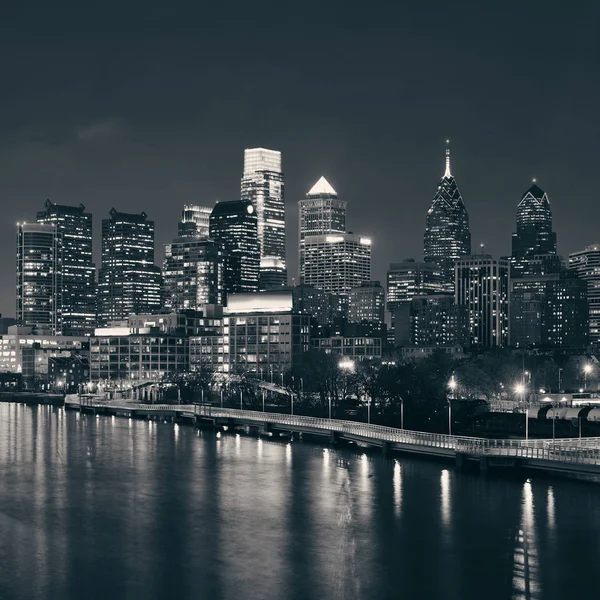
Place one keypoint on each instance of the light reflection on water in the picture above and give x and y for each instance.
(104, 508)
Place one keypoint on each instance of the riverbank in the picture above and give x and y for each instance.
(33, 398)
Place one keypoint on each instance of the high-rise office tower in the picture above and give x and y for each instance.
(39, 276)
(534, 235)
(74, 224)
(447, 235)
(337, 263)
(366, 303)
(565, 312)
(482, 286)
(262, 184)
(234, 227)
(129, 282)
(195, 220)
(192, 273)
(586, 263)
(321, 212)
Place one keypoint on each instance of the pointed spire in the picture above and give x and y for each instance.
(448, 174)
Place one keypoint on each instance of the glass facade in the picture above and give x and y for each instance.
(447, 235)
(262, 185)
(74, 224)
(586, 264)
(234, 227)
(129, 282)
(39, 276)
(366, 303)
(192, 273)
(195, 221)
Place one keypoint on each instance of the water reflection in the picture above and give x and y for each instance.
(445, 496)
(550, 509)
(397, 488)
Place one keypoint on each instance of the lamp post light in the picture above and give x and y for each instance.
(291, 403)
(452, 384)
(263, 395)
(329, 398)
(401, 413)
(587, 368)
(560, 370)
(241, 400)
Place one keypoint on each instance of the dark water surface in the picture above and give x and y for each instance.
(116, 508)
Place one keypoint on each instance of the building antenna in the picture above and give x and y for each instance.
(448, 173)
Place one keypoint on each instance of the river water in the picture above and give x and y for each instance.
(98, 507)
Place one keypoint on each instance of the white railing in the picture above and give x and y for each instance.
(569, 450)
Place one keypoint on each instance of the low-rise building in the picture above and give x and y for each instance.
(358, 348)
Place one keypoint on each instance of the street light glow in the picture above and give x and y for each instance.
(452, 384)
(519, 388)
(346, 365)
(587, 368)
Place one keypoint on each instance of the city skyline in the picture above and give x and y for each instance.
(131, 124)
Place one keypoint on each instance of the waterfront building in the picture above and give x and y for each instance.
(39, 276)
(337, 263)
(124, 356)
(78, 297)
(482, 286)
(68, 374)
(355, 348)
(321, 212)
(129, 282)
(447, 234)
(262, 185)
(192, 273)
(234, 227)
(366, 303)
(586, 264)
(181, 322)
(263, 334)
(534, 235)
(565, 313)
(195, 220)
(27, 350)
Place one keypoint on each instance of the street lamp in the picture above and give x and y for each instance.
(587, 368)
(452, 384)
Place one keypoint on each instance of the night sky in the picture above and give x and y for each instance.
(147, 106)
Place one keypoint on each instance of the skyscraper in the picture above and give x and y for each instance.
(586, 263)
(534, 235)
(337, 263)
(234, 227)
(192, 273)
(74, 224)
(39, 276)
(482, 286)
(129, 282)
(197, 215)
(321, 213)
(262, 184)
(447, 235)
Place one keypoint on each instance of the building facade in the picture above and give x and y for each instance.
(565, 314)
(366, 303)
(129, 282)
(337, 263)
(195, 220)
(192, 273)
(586, 264)
(438, 321)
(534, 235)
(39, 276)
(355, 348)
(482, 285)
(447, 234)
(234, 227)
(321, 212)
(78, 304)
(262, 185)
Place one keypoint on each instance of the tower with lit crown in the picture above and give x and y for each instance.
(447, 235)
(534, 235)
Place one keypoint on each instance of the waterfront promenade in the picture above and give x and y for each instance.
(571, 456)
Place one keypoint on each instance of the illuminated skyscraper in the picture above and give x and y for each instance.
(482, 286)
(234, 227)
(78, 269)
(337, 263)
(447, 235)
(320, 213)
(192, 273)
(39, 276)
(129, 282)
(367, 303)
(586, 263)
(262, 184)
(534, 235)
(197, 215)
